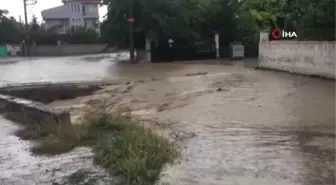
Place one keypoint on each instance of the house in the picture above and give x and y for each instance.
(73, 14)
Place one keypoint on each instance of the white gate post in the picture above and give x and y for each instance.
(148, 50)
(264, 36)
(217, 44)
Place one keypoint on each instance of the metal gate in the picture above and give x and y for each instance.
(183, 51)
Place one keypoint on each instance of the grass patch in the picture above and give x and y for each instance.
(120, 144)
(138, 153)
(80, 177)
(53, 138)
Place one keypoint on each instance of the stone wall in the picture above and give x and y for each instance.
(301, 57)
(68, 50)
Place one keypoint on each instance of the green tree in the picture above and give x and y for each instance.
(196, 20)
(254, 16)
(312, 20)
(220, 16)
(153, 19)
(9, 29)
(3, 14)
(34, 30)
(34, 26)
(264, 13)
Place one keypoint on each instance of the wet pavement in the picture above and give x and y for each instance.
(249, 126)
(58, 69)
(20, 167)
(262, 128)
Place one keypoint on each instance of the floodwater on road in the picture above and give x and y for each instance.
(58, 69)
(19, 167)
(262, 128)
(248, 126)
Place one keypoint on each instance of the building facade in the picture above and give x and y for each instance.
(72, 15)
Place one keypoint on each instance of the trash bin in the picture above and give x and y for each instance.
(3, 51)
(237, 50)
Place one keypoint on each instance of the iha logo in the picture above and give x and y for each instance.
(279, 34)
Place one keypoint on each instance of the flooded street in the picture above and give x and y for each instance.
(263, 128)
(236, 125)
(58, 69)
(20, 167)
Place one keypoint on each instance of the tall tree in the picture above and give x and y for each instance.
(34, 30)
(174, 18)
(265, 13)
(312, 20)
(3, 14)
(34, 26)
(9, 29)
(220, 16)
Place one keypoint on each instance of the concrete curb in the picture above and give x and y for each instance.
(67, 83)
(27, 111)
(26, 102)
(296, 73)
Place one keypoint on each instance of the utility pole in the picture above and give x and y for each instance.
(20, 20)
(26, 40)
(131, 38)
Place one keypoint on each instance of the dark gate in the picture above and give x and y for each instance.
(183, 51)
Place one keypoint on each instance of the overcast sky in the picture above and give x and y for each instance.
(15, 8)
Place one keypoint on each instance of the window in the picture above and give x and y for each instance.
(84, 10)
(90, 8)
(75, 8)
(93, 8)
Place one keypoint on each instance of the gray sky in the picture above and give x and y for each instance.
(15, 8)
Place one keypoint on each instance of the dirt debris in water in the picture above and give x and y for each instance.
(196, 74)
(235, 125)
(239, 126)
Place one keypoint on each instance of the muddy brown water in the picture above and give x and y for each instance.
(266, 128)
(248, 126)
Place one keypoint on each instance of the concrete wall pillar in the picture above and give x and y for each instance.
(264, 36)
(148, 50)
(217, 44)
